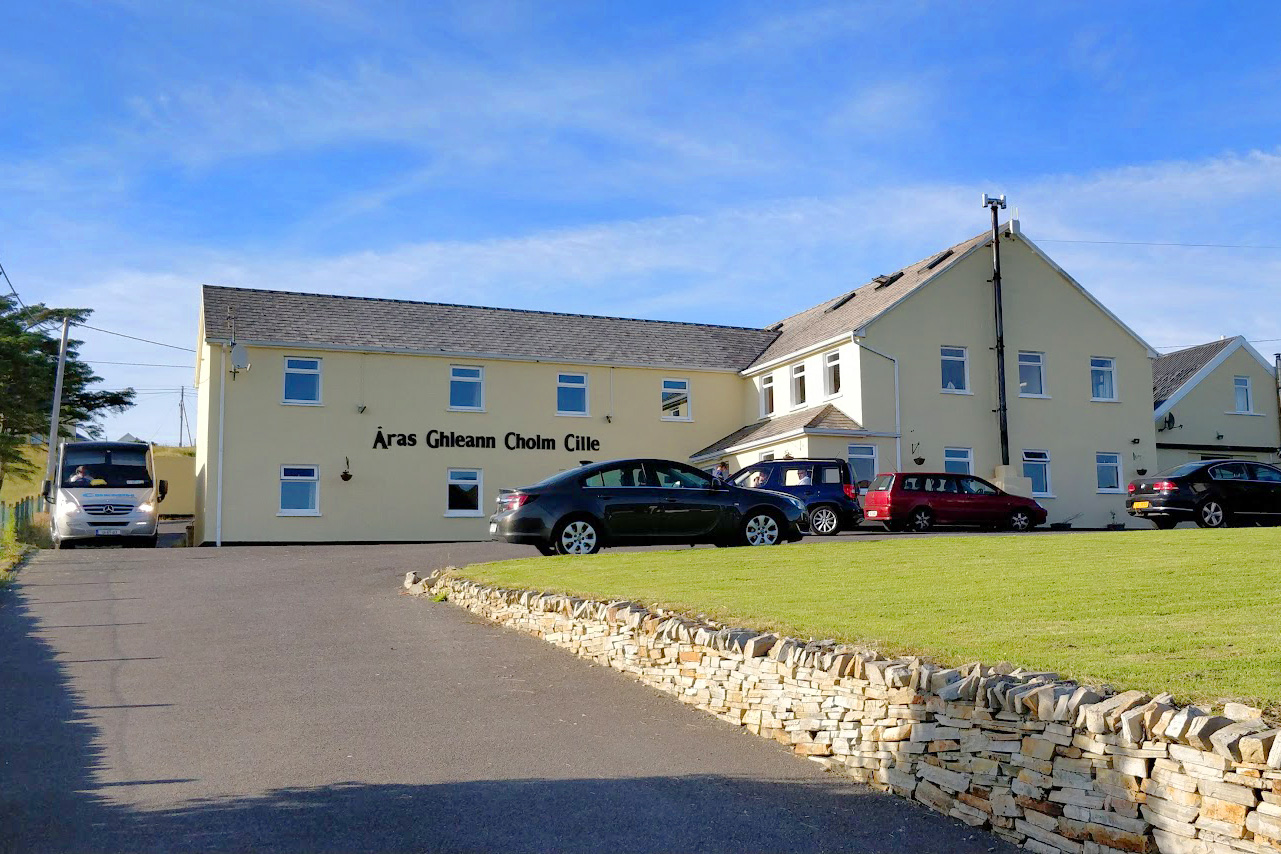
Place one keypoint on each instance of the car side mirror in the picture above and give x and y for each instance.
(162, 491)
(46, 490)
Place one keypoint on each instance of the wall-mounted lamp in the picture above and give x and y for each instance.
(1218, 436)
(346, 472)
(1135, 441)
(361, 408)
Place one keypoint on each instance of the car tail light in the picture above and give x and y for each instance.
(1131, 488)
(851, 491)
(1165, 486)
(512, 500)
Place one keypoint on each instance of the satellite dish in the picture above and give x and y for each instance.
(1169, 421)
(239, 357)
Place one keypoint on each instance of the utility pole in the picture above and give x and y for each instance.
(999, 204)
(182, 400)
(57, 404)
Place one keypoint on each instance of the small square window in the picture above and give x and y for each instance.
(571, 394)
(1102, 378)
(302, 381)
(299, 490)
(1107, 468)
(463, 492)
(467, 388)
(955, 368)
(1031, 374)
(958, 460)
(1244, 401)
(676, 404)
(1036, 467)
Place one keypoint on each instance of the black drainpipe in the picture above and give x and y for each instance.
(1001, 409)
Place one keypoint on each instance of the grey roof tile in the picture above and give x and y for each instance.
(345, 322)
(826, 417)
(856, 308)
(1172, 370)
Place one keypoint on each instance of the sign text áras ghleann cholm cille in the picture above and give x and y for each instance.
(512, 441)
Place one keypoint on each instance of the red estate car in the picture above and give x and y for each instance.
(920, 500)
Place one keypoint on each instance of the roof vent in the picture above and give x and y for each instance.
(774, 327)
(840, 302)
(886, 281)
(939, 259)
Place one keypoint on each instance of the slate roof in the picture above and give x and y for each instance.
(856, 308)
(364, 323)
(1172, 370)
(821, 418)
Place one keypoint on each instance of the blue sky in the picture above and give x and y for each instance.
(717, 162)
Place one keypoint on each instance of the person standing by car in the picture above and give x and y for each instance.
(721, 472)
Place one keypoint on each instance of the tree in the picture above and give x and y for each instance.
(29, 341)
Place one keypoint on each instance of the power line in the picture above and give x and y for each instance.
(135, 338)
(12, 289)
(141, 364)
(1146, 243)
(1185, 346)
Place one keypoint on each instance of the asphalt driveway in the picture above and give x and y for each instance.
(287, 698)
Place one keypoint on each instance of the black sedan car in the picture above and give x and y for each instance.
(1212, 493)
(642, 502)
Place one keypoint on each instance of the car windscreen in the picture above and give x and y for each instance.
(881, 483)
(110, 467)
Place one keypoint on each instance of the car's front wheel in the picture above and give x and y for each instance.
(576, 537)
(1212, 514)
(823, 520)
(761, 529)
(1020, 520)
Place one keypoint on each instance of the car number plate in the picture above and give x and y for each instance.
(493, 527)
(1141, 505)
(871, 514)
(108, 532)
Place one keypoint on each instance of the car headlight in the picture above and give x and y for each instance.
(797, 503)
(146, 507)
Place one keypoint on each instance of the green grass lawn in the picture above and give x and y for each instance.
(1195, 612)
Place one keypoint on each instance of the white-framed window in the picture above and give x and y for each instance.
(676, 401)
(832, 373)
(954, 364)
(1102, 378)
(958, 460)
(1244, 397)
(571, 394)
(767, 395)
(302, 381)
(766, 456)
(1031, 374)
(1036, 467)
(467, 388)
(463, 491)
(299, 490)
(1107, 471)
(862, 460)
(798, 385)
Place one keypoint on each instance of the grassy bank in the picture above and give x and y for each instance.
(1196, 612)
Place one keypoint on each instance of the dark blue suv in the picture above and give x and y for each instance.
(831, 498)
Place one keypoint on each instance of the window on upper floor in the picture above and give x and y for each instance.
(832, 373)
(1031, 374)
(798, 385)
(767, 395)
(302, 381)
(467, 388)
(1102, 378)
(1244, 398)
(955, 367)
(676, 403)
(571, 394)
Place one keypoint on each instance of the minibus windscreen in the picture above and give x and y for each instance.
(110, 467)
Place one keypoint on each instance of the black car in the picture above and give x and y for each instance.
(830, 496)
(1212, 493)
(642, 502)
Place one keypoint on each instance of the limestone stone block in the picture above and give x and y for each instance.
(1200, 730)
(1171, 810)
(1194, 759)
(1170, 843)
(1241, 712)
(1242, 795)
(1224, 811)
(1266, 825)
(1180, 721)
(1227, 741)
(1255, 747)
(1038, 748)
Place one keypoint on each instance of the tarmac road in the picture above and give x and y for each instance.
(287, 699)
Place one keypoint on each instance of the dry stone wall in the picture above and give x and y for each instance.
(1045, 763)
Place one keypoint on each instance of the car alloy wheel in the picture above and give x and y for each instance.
(921, 520)
(1020, 520)
(1211, 514)
(824, 521)
(578, 538)
(761, 530)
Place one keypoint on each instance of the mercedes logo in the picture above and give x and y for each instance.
(107, 508)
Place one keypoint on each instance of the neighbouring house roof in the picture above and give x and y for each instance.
(857, 308)
(363, 323)
(1172, 370)
(825, 418)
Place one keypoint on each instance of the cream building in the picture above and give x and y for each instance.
(383, 420)
(1215, 401)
